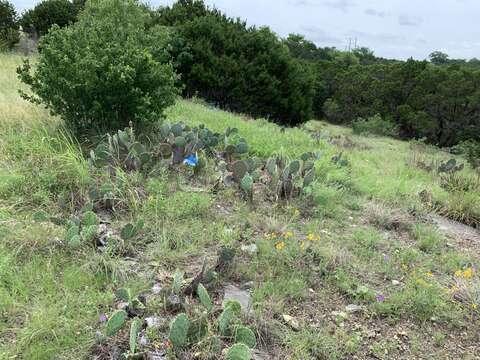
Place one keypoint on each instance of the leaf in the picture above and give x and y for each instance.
(116, 322)
(204, 297)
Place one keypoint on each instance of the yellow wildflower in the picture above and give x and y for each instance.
(474, 306)
(287, 234)
(280, 245)
(429, 274)
(467, 274)
(458, 273)
(302, 245)
(313, 237)
(296, 212)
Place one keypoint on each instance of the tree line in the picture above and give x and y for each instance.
(251, 70)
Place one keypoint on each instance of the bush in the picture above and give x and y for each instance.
(105, 70)
(374, 125)
(9, 34)
(41, 18)
(471, 150)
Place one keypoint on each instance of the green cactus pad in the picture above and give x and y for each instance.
(127, 232)
(294, 167)
(241, 148)
(179, 331)
(271, 167)
(89, 218)
(75, 241)
(230, 149)
(225, 320)
(239, 352)
(247, 183)
(89, 233)
(135, 328)
(165, 150)
(239, 169)
(204, 297)
(309, 177)
(123, 294)
(180, 141)
(176, 129)
(72, 231)
(245, 336)
(116, 322)
(234, 305)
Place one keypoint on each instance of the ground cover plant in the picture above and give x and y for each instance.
(112, 248)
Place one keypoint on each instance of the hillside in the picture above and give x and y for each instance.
(369, 263)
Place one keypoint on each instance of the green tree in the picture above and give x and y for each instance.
(438, 58)
(9, 34)
(105, 70)
(42, 17)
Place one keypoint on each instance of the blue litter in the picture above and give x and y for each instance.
(191, 160)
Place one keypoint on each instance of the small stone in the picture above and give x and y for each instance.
(156, 288)
(153, 321)
(122, 306)
(247, 285)
(353, 308)
(291, 321)
(395, 282)
(252, 248)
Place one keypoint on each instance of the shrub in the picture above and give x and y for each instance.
(9, 34)
(374, 125)
(471, 150)
(105, 70)
(41, 18)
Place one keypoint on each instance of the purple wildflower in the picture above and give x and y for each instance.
(102, 318)
(386, 257)
(380, 298)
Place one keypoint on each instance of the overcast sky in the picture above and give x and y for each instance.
(392, 28)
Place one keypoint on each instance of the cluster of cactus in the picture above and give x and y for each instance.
(179, 141)
(185, 332)
(121, 150)
(234, 145)
(82, 230)
(245, 173)
(130, 231)
(119, 318)
(287, 177)
(450, 167)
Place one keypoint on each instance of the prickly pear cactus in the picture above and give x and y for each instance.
(116, 322)
(239, 169)
(239, 352)
(179, 331)
(204, 297)
(225, 321)
(234, 305)
(245, 336)
(135, 328)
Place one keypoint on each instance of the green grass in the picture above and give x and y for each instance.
(374, 239)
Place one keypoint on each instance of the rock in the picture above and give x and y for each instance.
(156, 288)
(252, 248)
(122, 306)
(243, 297)
(247, 285)
(291, 321)
(395, 282)
(353, 308)
(153, 321)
